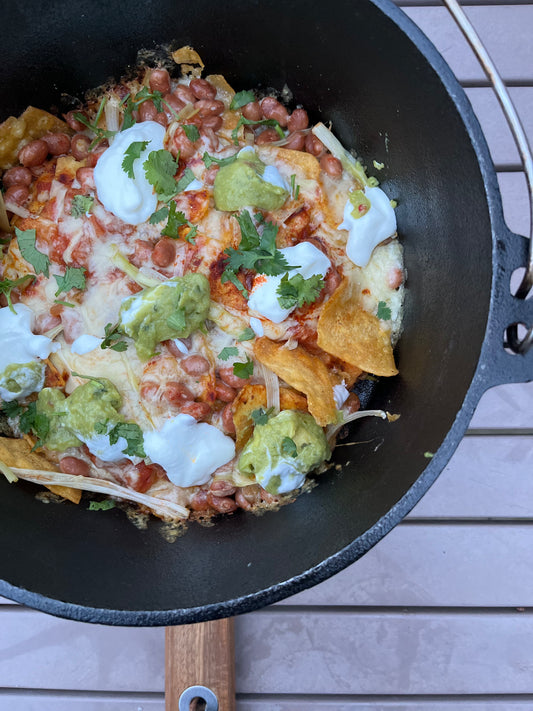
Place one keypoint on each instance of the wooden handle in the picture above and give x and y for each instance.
(200, 654)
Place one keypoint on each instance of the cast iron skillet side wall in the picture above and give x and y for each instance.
(351, 64)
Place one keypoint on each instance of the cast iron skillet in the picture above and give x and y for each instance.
(364, 66)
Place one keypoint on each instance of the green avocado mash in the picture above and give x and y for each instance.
(282, 451)
(75, 417)
(173, 309)
(240, 184)
(20, 379)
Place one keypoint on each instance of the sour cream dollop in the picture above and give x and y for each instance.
(264, 297)
(188, 451)
(22, 347)
(368, 231)
(131, 199)
(85, 344)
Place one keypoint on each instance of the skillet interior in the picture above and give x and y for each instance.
(348, 63)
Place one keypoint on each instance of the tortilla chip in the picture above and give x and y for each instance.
(66, 168)
(348, 332)
(304, 372)
(189, 59)
(252, 397)
(16, 132)
(17, 453)
(225, 92)
(303, 165)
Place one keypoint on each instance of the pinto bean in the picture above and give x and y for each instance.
(177, 393)
(298, 120)
(199, 501)
(209, 107)
(268, 498)
(228, 376)
(159, 80)
(211, 174)
(17, 194)
(34, 153)
(268, 135)
(74, 124)
(149, 392)
(295, 141)
(214, 123)
(195, 365)
(74, 466)
(272, 109)
(17, 176)
(147, 474)
(161, 118)
(352, 403)
(222, 504)
(252, 111)
(202, 89)
(332, 280)
(221, 487)
(175, 103)
(313, 145)
(79, 146)
(58, 143)
(331, 165)
(147, 111)
(173, 348)
(395, 278)
(184, 94)
(164, 252)
(224, 393)
(227, 419)
(198, 410)
(180, 143)
(248, 496)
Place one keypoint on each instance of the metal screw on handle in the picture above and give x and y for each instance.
(198, 692)
(517, 343)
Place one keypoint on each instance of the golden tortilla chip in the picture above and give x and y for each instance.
(305, 373)
(66, 168)
(225, 92)
(189, 59)
(16, 132)
(303, 165)
(252, 397)
(17, 453)
(348, 332)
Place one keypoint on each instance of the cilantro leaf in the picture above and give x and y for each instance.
(100, 133)
(12, 408)
(177, 320)
(160, 169)
(228, 275)
(133, 435)
(37, 422)
(74, 278)
(250, 238)
(38, 260)
(244, 370)
(132, 153)
(221, 162)
(185, 180)
(7, 286)
(227, 352)
(191, 131)
(288, 446)
(384, 311)
(104, 505)
(247, 335)
(248, 122)
(260, 416)
(81, 205)
(158, 216)
(295, 291)
(175, 221)
(112, 339)
(242, 98)
(64, 303)
(295, 189)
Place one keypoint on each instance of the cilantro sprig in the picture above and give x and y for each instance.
(132, 153)
(262, 122)
(113, 339)
(133, 435)
(7, 286)
(81, 205)
(132, 103)
(38, 260)
(177, 219)
(295, 291)
(191, 131)
(160, 168)
(244, 370)
(247, 335)
(221, 162)
(256, 251)
(100, 133)
(74, 278)
(242, 98)
(260, 416)
(227, 352)
(384, 311)
(104, 505)
(288, 447)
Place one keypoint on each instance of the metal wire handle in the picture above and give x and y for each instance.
(517, 343)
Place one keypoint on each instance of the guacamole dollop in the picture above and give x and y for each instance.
(74, 419)
(18, 380)
(240, 184)
(281, 452)
(172, 309)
